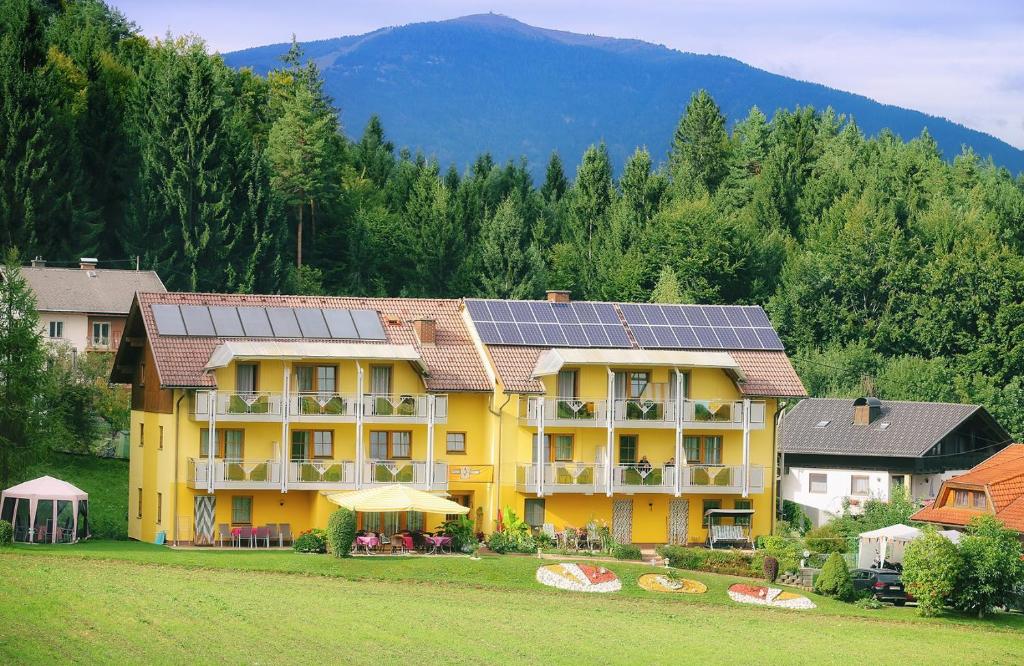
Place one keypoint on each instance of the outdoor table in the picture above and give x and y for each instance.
(367, 542)
(407, 540)
(437, 543)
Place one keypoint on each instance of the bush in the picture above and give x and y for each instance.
(462, 531)
(795, 516)
(834, 580)
(869, 602)
(311, 541)
(6, 533)
(626, 551)
(730, 562)
(784, 549)
(770, 568)
(992, 569)
(931, 566)
(511, 542)
(826, 539)
(341, 532)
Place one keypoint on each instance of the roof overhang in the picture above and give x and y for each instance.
(240, 350)
(552, 360)
(729, 512)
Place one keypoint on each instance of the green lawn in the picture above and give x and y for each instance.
(106, 481)
(120, 602)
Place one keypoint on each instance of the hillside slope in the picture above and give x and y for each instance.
(489, 83)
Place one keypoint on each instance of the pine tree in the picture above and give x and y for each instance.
(699, 145)
(667, 290)
(555, 182)
(588, 203)
(510, 264)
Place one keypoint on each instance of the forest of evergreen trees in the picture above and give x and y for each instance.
(885, 267)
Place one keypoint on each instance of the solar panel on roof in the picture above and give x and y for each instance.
(226, 322)
(715, 315)
(727, 337)
(340, 325)
(586, 313)
(596, 337)
(564, 313)
(197, 320)
(700, 326)
(500, 311)
(255, 322)
(478, 310)
(695, 315)
(553, 335)
(686, 337)
(654, 315)
(368, 324)
(645, 336)
(521, 311)
(311, 322)
(542, 312)
(574, 335)
(531, 333)
(488, 333)
(706, 337)
(757, 316)
(509, 333)
(748, 338)
(769, 338)
(282, 320)
(606, 314)
(168, 320)
(675, 316)
(665, 336)
(616, 335)
(580, 324)
(737, 317)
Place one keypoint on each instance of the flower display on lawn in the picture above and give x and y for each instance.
(579, 577)
(654, 582)
(768, 596)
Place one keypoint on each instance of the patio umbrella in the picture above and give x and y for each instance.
(395, 497)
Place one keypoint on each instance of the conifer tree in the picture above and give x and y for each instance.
(666, 289)
(699, 145)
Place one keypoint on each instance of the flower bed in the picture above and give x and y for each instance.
(768, 596)
(578, 577)
(653, 582)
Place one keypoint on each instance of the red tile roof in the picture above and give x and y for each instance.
(1001, 476)
(453, 363)
(514, 366)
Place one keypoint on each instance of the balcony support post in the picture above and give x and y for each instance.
(285, 443)
(430, 440)
(680, 457)
(211, 438)
(610, 452)
(359, 426)
(540, 448)
(746, 447)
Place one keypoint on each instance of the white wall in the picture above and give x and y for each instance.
(822, 506)
(76, 328)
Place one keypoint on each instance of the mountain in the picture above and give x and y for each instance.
(487, 82)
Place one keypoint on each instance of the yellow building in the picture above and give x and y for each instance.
(248, 410)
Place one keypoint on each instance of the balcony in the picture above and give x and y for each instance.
(237, 474)
(321, 475)
(640, 413)
(262, 406)
(410, 472)
(726, 414)
(250, 407)
(323, 407)
(405, 408)
(565, 412)
(589, 479)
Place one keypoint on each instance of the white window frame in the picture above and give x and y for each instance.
(101, 340)
(58, 325)
(853, 485)
(811, 481)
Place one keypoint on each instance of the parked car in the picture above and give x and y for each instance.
(883, 584)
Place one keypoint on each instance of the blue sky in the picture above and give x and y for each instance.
(954, 58)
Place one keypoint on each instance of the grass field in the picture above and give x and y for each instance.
(104, 602)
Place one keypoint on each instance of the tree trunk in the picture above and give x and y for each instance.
(298, 239)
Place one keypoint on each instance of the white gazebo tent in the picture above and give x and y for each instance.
(46, 510)
(887, 544)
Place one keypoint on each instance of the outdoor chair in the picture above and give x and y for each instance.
(727, 535)
(382, 542)
(275, 533)
(549, 529)
(224, 532)
(398, 544)
(286, 533)
(261, 534)
(245, 534)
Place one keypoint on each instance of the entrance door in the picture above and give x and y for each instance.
(205, 510)
(678, 521)
(622, 520)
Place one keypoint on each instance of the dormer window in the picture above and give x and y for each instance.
(884, 425)
(822, 424)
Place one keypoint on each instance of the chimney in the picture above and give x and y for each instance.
(426, 330)
(866, 410)
(87, 263)
(558, 296)
(38, 262)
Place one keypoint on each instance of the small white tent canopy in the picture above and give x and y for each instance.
(46, 510)
(887, 544)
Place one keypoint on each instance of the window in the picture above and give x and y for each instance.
(691, 445)
(56, 329)
(859, 485)
(316, 379)
(304, 378)
(160, 439)
(533, 512)
(300, 445)
(563, 448)
(323, 443)
(817, 483)
(703, 450)
(390, 444)
(638, 382)
(710, 504)
(743, 504)
(326, 378)
(980, 502)
(142, 434)
(713, 450)
(627, 449)
(138, 502)
(101, 334)
(142, 374)
(462, 499)
(230, 444)
(380, 379)
(960, 497)
(455, 442)
(246, 377)
(567, 383)
(241, 510)
(159, 508)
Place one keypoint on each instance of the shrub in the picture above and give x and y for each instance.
(869, 603)
(770, 568)
(731, 562)
(510, 542)
(311, 541)
(462, 531)
(341, 532)
(795, 516)
(784, 549)
(992, 568)
(6, 533)
(931, 566)
(826, 539)
(834, 580)
(626, 551)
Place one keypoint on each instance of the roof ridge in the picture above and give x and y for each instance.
(898, 402)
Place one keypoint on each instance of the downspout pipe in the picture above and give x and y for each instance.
(497, 459)
(177, 427)
(780, 458)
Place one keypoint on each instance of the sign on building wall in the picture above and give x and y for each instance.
(471, 473)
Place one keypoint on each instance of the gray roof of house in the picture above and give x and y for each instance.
(914, 427)
(100, 291)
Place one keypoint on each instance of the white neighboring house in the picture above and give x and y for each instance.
(834, 450)
(86, 307)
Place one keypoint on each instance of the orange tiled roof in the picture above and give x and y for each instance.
(514, 366)
(1001, 475)
(453, 363)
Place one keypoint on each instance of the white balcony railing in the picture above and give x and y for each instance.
(242, 474)
(578, 412)
(321, 474)
(326, 405)
(712, 413)
(411, 472)
(269, 406)
(255, 406)
(644, 479)
(589, 478)
(721, 479)
(641, 410)
(404, 407)
(565, 477)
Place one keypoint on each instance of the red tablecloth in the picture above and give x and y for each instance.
(368, 541)
(406, 539)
